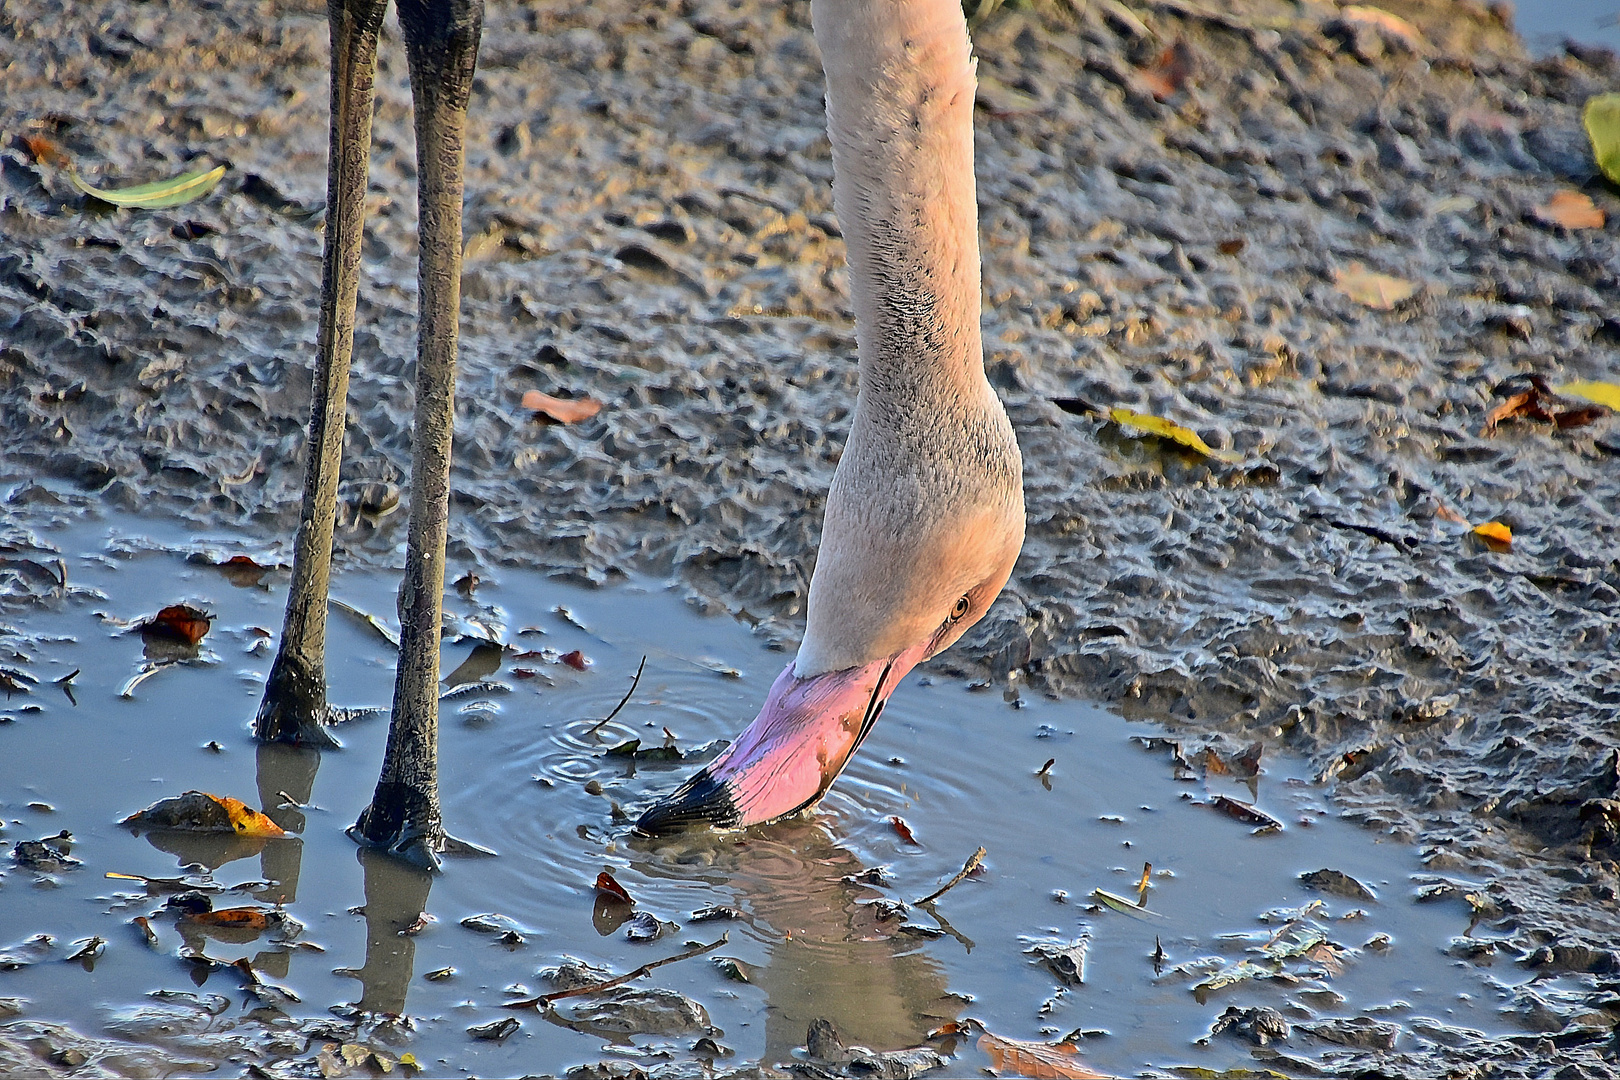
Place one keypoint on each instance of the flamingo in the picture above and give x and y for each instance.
(925, 516)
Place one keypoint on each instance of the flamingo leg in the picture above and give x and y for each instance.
(294, 708)
(441, 39)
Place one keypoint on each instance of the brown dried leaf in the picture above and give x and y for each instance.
(902, 829)
(1038, 1060)
(1378, 291)
(576, 660)
(1230, 247)
(45, 152)
(239, 918)
(562, 410)
(1570, 210)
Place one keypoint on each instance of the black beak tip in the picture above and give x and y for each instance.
(701, 802)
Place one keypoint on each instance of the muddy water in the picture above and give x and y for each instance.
(519, 768)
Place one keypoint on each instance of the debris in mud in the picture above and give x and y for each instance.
(197, 811)
(902, 830)
(576, 969)
(1168, 74)
(1244, 765)
(1247, 813)
(493, 923)
(829, 1056)
(496, 1030)
(25, 953)
(645, 926)
(634, 682)
(1360, 1032)
(561, 410)
(642, 1011)
(46, 856)
(1336, 883)
(1124, 905)
(1260, 1026)
(631, 748)
(714, 912)
(1064, 959)
(1372, 289)
(974, 861)
(1539, 401)
(576, 660)
(188, 883)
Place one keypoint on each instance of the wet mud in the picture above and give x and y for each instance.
(649, 224)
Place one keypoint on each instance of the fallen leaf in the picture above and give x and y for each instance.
(607, 885)
(43, 151)
(1387, 23)
(1123, 905)
(242, 571)
(562, 410)
(901, 829)
(1164, 429)
(1570, 210)
(1446, 513)
(1245, 812)
(197, 811)
(1601, 118)
(1603, 393)
(1497, 536)
(1368, 287)
(1168, 74)
(239, 918)
(1230, 247)
(576, 660)
(1038, 1060)
(1579, 416)
(164, 193)
(178, 622)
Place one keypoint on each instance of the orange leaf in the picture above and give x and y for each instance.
(1496, 535)
(562, 410)
(198, 811)
(1446, 513)
(1380, 291)
(43, 151)
(1038, 1060)
(241, 918)
(1571, 210)
(181, 622)
(608, 886)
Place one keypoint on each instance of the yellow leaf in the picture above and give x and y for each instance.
(1371, 288)
(1164, 429)
(164, 193)
(1604, 393)
(1601, 118)
(1494, 532)
(246, 820)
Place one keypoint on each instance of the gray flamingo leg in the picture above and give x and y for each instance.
(294, 708)
(441, 38)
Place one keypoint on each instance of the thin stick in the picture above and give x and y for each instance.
(608, 984)
(622, 701)
(968, 867)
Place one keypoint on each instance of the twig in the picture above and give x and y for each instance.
(608, 984)
(968, 867)
(622, 701)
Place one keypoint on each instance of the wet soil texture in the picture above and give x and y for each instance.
(649, 224)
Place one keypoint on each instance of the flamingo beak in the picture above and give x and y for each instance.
(789, 756)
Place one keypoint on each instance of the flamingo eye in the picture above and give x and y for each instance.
(960, 611)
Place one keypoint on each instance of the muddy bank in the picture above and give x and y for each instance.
(649, 223)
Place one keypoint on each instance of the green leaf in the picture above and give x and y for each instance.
(1601, 118)
(164, 193)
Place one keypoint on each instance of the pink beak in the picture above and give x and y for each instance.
(789, 756)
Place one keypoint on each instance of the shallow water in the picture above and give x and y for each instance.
(958, 767)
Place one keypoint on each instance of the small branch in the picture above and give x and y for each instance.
(622, 701)
(608, 984)
(968, 867)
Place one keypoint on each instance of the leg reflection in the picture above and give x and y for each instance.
(396, 893)
(285, 770)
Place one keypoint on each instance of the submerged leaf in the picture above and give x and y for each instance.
(1038, 1060)
(1164, 429)
(164, 193)
(1601, 118)
(1375, 290)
